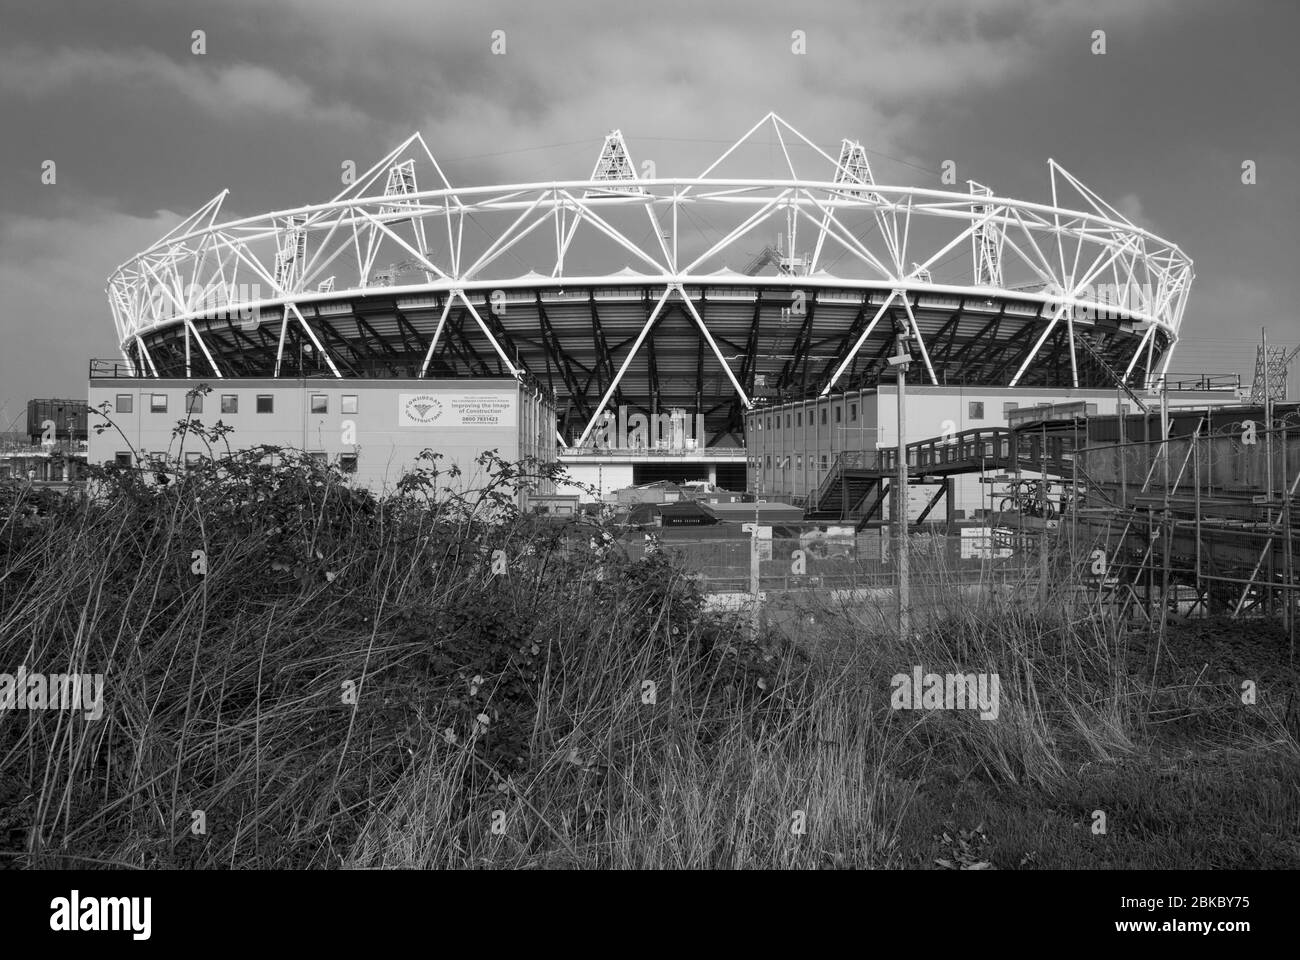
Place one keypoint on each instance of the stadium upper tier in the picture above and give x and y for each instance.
(706, 293)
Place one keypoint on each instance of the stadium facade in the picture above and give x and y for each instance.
(692, 300)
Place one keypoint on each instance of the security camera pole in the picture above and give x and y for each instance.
(900, 363)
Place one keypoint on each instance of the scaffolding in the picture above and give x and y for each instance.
(1184, 512)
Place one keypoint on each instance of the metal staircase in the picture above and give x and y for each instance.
(850, 482)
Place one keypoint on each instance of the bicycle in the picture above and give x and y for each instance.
(1030, 498)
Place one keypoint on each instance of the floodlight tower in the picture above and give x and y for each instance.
(986, 240)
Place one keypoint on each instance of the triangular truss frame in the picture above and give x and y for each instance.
(337, 251)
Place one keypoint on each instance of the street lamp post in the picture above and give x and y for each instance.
(900, 363)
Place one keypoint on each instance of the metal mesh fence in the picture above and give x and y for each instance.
(864, 561)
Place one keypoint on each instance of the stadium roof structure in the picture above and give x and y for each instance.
(627, 288)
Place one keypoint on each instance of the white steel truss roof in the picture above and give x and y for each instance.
(456, 241)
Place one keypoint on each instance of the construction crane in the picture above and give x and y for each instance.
(1086, 342)
(388, 278)
(789, 266)
(776, 255)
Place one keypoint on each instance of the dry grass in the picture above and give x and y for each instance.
(320, 697)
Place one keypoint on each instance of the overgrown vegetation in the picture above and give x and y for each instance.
(320, 678)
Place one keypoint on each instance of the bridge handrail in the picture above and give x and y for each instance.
(990, 443)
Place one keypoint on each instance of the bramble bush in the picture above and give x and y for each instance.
(281, 649)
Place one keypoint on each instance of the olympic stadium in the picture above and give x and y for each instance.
(705, 296)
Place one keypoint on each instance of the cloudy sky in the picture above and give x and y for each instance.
(142, 130)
